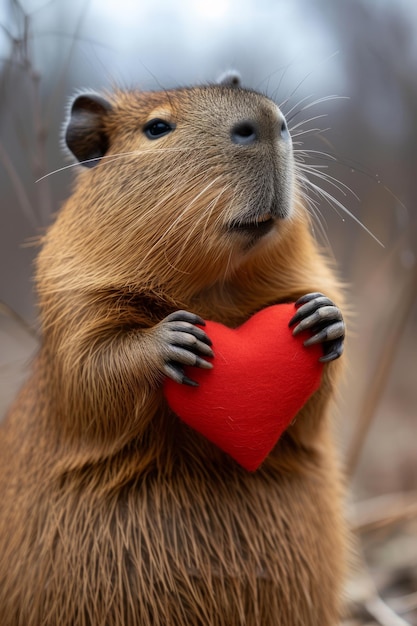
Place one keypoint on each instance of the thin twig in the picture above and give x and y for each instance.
(383, 614)
(9, 312)
(21, 194)
(384, 511)
(39, 161)
(379, 379)
(75, 38)
(404, 604)
(364, 602)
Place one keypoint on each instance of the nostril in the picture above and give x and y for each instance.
(244, 133)
(284, 132)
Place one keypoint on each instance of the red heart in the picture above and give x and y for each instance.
(262, 377)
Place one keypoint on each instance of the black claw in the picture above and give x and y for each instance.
(332, 356)
(310, 307)
(184, 344)
(189, 382)
(327, 326)
(332, 350)
(293, 320)
(185, 316)
(308, 297)
(176, 373)
(189, 328)
(198, 333)
(307, 307)
(184, 356)
(317, 338)
(329, 357)
(190, 343)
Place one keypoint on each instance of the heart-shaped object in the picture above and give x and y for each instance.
(262, 377)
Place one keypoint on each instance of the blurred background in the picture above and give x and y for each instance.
(346, 75)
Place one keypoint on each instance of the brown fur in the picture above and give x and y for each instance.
(112, 511)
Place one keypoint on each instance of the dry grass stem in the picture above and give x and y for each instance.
(384, 511)
(22, 197)
(379, 380)
(5, 309)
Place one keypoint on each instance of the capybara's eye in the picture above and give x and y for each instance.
(157, 128)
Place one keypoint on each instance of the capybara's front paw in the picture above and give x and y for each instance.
(320, 315)
(183, 343)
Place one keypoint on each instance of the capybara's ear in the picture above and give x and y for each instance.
(231, 78)
(85, 134)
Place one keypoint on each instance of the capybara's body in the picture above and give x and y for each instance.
(112, 511)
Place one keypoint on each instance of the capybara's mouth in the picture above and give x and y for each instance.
(256, 227)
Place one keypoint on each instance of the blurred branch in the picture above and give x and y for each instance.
(75, 38)
(382, 613)
(21, 194)
(364, 602)
(384, 511)
(21, 54)
(9, 312)
(379, 380)
(405, 604)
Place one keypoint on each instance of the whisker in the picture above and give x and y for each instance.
(198, 221)
(210, 213)
(331, 180)
(179, 218)
(302, 164)
(314, 208)
(295, 105)
(318, 131)
(196, 224)
(303, 122)
(318, 101)
(354, 166)
(307, 153)
(335, 203)
(227, 268)
(111, 157)
(305, 171)
(325, 60)
(274, 73)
